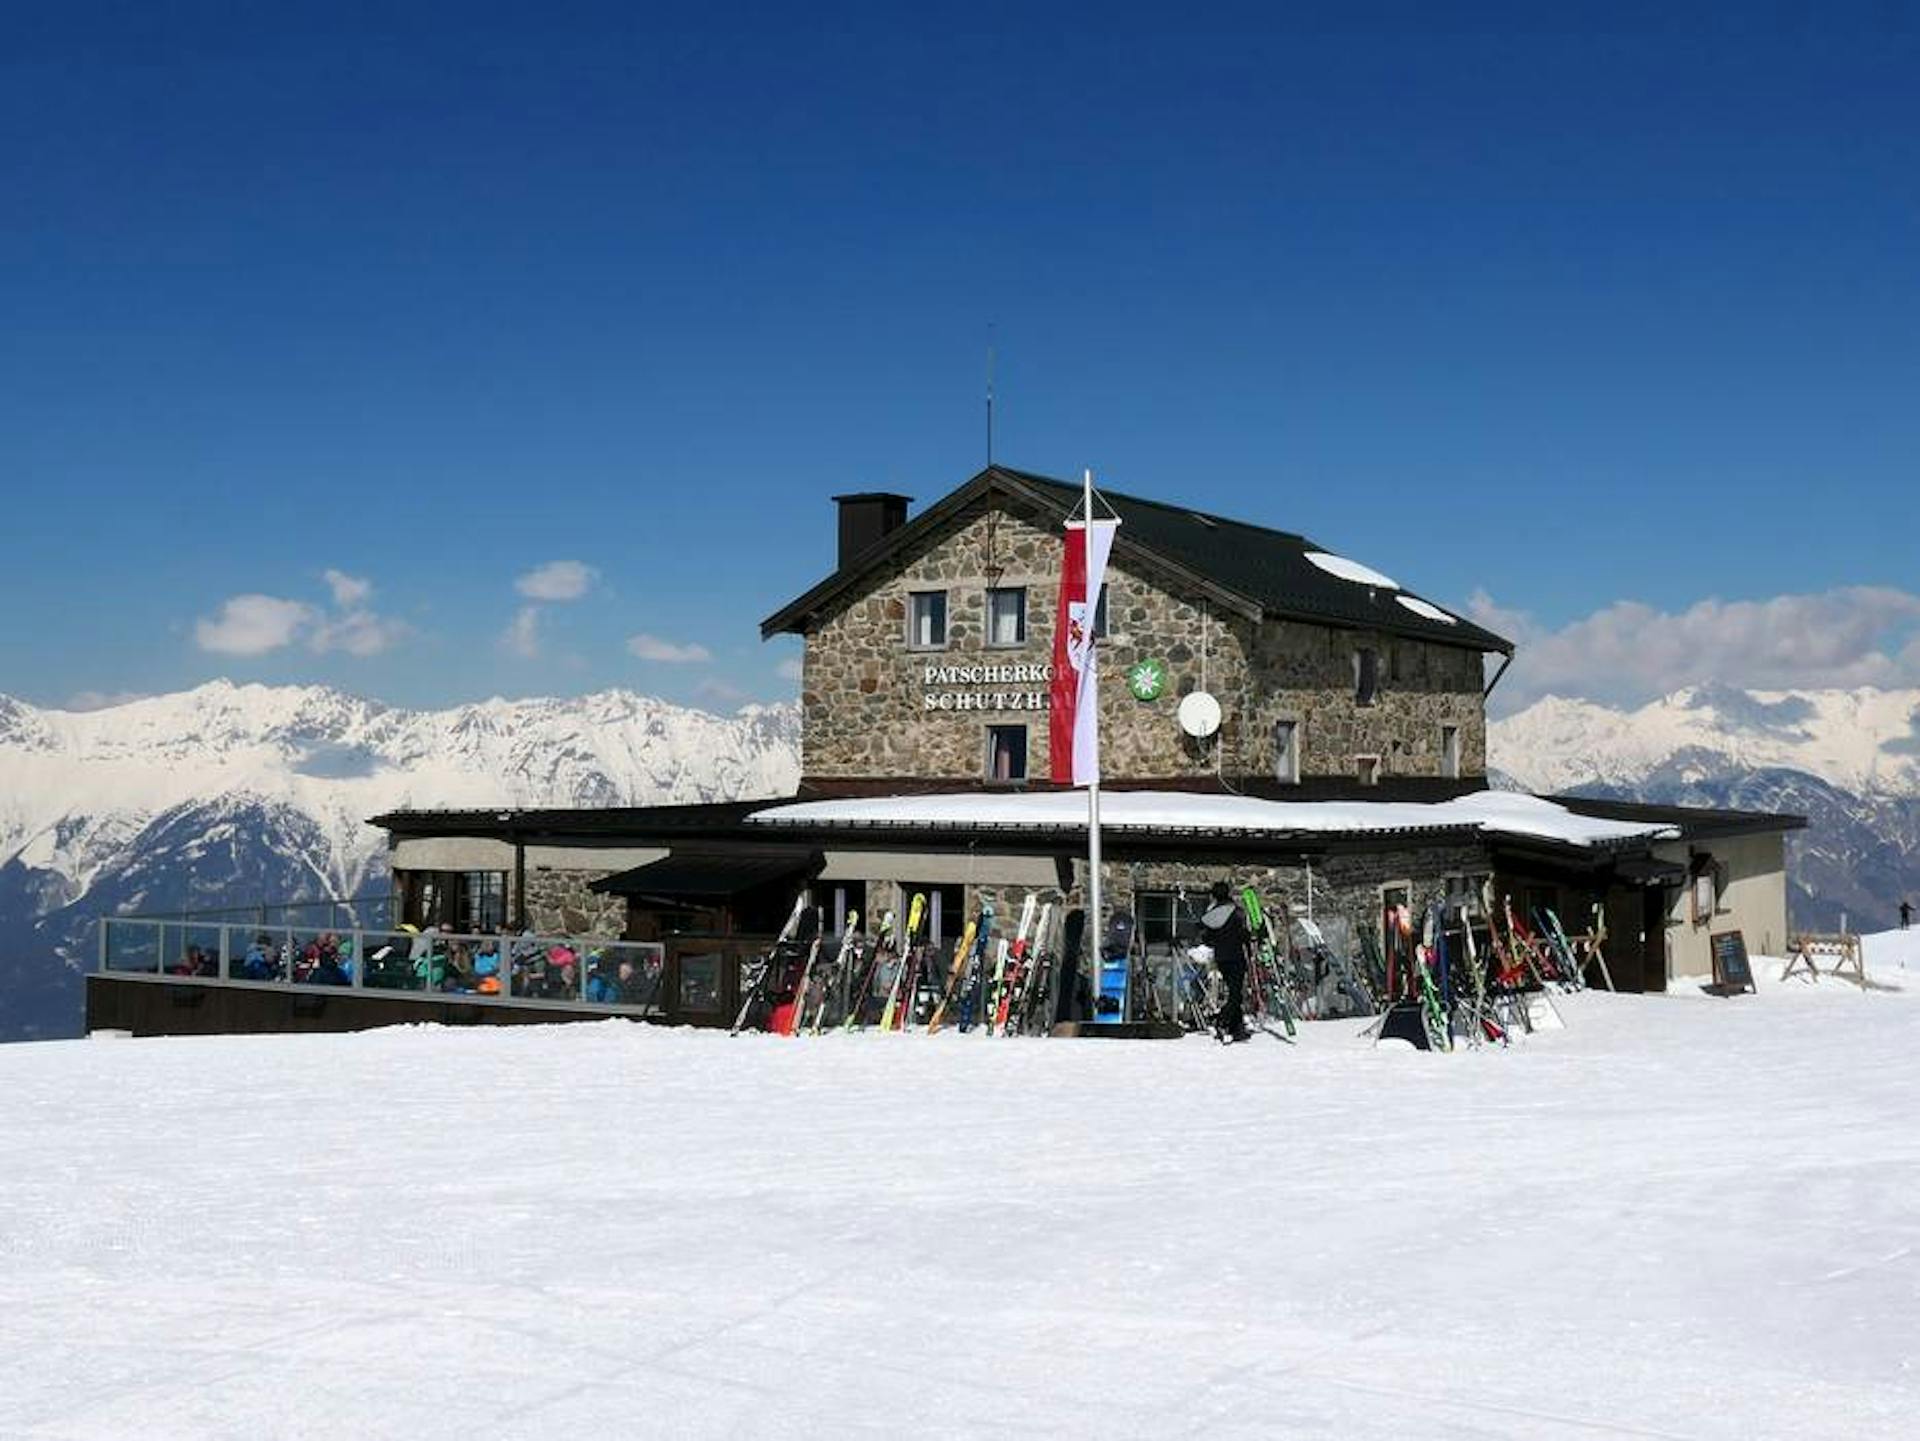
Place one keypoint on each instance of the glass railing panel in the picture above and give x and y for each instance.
(699, 989)
(129, 945)
(623, 973)
(546, 969)
(190, 949)
(466, 965)
(393, 960)
(321, 958)
(257, 953)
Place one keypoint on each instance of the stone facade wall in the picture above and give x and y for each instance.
(865, 693)
(1305, 673)
(559, 903)
(864, 690)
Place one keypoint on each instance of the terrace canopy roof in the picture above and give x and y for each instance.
(1491, 813)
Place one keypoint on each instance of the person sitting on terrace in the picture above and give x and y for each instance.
(329, 972)
(258, 963)
(460, 976)
(602, 988)
(628, 980)
(562, 983)
(189, 964)
(306, 959)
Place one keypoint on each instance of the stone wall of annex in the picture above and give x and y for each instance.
(559, 903)
(1305, 673)
(865, 693)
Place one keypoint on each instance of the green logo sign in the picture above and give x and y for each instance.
(1146, 679)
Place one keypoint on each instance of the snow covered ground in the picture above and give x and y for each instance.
(1680, 1216)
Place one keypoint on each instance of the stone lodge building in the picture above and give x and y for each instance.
(1348, 773)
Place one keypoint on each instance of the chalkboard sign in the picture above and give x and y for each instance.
(1731, 973)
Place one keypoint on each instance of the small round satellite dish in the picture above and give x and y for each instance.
(1199, 715)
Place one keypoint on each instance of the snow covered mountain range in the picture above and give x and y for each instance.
(1849, 760)
(226, 794)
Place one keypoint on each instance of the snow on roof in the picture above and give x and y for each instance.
(1426, 608)
(1491, 812)
(1339, 565)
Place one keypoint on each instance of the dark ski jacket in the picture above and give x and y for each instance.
(1224, 928)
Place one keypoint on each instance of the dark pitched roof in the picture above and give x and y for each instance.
(1249, 568)
(1695, 823)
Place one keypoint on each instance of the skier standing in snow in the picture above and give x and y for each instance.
(1225, 928)
(1906, 915)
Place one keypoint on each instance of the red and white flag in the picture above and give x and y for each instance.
(1074, 726)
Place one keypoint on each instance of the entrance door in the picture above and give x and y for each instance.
(1653, 946)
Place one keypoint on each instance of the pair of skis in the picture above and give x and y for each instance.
(1267, 988)
(774, 965)
(907, 972)
(879, 946)
(1015, 997)
(1346, 979)
(966, 955)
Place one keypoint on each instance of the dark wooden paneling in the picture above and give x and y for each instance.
(155, 1008)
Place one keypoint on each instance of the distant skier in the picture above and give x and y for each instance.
(1906, 915)
(1224, 928)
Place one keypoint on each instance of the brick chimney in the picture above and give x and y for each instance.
(866, 517)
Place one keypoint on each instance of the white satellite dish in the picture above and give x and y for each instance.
(1199, 715)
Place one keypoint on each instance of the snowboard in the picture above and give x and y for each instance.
(1116, 961)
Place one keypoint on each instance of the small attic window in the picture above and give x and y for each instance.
(1366, 675)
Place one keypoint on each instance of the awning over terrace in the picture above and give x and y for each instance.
(713, 873)
(1490, 813)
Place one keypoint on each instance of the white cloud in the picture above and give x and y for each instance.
(358, 632)
(103, 699)
(790, 669)
(1630, 652)
(651, 647)
(522, 635)
(715, 691)
(253, 625)
(258, 624)
(349, 591)
(557, 580)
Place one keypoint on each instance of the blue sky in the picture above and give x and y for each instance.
(1611, 331)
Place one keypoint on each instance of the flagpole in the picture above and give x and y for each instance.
(1094, 924)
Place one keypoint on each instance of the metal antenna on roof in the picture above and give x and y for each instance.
(989, 392)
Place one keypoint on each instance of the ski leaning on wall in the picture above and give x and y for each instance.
(1453, 970)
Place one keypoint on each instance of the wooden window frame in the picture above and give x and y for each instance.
(1025, 617)
(1366, 696)
(1280, 755)
(1026, 753)
(946, 620)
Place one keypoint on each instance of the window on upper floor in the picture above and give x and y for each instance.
(1286, 751)
(1007, 615)
(927, 619)
(1450, 752)
(1366, 770)
(1006, 754)
(1366, 675)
